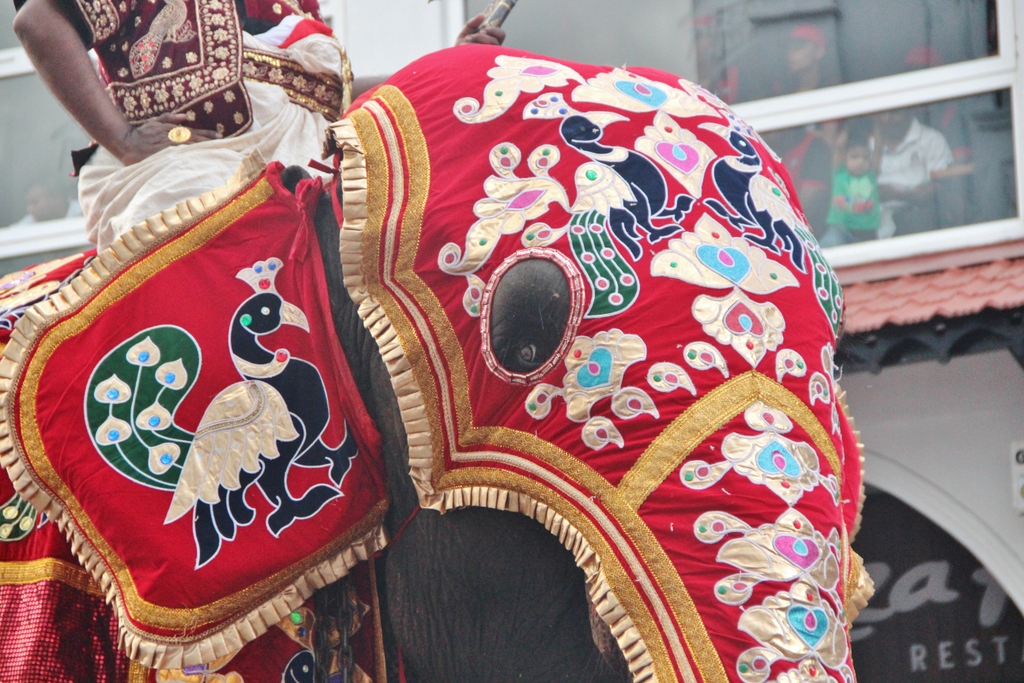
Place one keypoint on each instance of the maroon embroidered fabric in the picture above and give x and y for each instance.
(179, 56)
(53, 633)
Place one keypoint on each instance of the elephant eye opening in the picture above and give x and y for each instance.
(530, 314)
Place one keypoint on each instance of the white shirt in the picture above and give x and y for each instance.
(911, 163)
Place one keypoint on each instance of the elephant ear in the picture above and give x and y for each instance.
(125, 398)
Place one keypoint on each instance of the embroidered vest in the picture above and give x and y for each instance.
(161, 56)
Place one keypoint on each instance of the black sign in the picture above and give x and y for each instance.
(937, 616)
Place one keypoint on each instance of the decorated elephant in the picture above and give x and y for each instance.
(539, 292)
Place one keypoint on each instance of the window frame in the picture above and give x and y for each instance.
(46, 236)
(915, 88)
(1003, 71)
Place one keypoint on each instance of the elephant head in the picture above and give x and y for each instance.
(584, 312)
(600, 467)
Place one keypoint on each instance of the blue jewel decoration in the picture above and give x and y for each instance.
(272, 266)
(113, 435)
(165, 459)
(652, 97)
(728, 262)
(144, 356)
(154, 421)
(259, 269)
(113, 394)
(597, 371)
(775, 458)
(170, 377)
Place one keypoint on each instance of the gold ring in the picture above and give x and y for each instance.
(179, 135)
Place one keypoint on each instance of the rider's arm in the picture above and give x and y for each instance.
(51, 33)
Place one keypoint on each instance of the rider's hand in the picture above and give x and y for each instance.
(150, 137)
(472, 33)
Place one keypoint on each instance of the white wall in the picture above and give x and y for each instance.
(382, 36)
(939, 437)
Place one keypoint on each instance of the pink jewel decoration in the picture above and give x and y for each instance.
(538, 70)
(525, 200)
(281, 356)
(798, 551)
(264, 283)
(683, 157)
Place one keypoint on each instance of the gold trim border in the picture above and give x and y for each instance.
(707, 416)
(48, 569)
(132, 258)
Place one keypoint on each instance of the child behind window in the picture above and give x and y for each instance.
(855, 212)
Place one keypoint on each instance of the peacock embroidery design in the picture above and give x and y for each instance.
(253, 432)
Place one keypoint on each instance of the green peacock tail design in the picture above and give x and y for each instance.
(826, 282)
(612, 280)
(17, 519)
(131, 400)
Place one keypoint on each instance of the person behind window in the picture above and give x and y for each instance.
(911, 153)
(46, 203)
(807, 48)
(808, 158)
(855, 211)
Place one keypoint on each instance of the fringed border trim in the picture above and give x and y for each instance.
(859, 588)
(147, 650)
(844, 406)
(606, 604)
(859, 585)
(343, 139)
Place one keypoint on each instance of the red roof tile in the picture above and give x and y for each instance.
(949, 293)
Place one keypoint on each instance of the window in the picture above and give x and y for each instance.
(813, 75)
(39, 213)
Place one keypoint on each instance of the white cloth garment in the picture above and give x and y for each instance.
(922, 151)
(116, 197)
